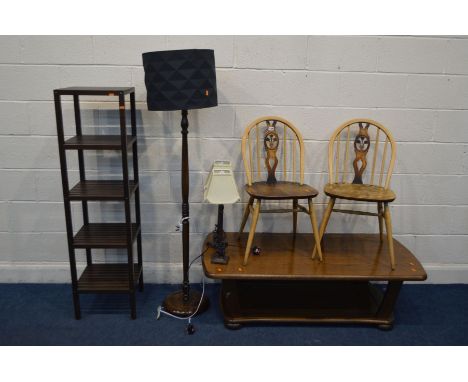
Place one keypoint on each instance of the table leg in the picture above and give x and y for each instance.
(388, 303)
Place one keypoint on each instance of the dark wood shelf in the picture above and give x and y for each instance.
(100, 190)
(102, 278)
(97, 142)
(107, 278)
(91, 90)
(104, 235)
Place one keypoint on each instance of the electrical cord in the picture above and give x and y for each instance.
(200, 255)
(190, 328)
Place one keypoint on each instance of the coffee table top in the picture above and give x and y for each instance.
(346, 257)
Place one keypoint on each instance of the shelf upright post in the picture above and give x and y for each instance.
(84, 203)
(67, 204)
(128, 216)
(137, 191)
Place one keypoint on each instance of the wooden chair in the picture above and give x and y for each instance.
(272, 147)
(350, 181)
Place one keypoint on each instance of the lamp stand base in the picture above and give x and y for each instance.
(174, 303)
(217, 258)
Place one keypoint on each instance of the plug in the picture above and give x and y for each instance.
(190, 329)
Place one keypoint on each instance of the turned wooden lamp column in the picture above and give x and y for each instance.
(182, 80)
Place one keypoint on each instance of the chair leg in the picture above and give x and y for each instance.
(381, 218)
(246, 215)
(294, 216)
(253, 225)
(388, 226)
(323, 225)
(313, 220)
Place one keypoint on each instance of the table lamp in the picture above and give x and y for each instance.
(182, 80)
(220, 189)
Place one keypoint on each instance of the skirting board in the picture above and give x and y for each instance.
(163, 273)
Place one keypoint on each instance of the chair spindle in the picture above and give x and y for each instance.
(345, 163)
(293, 143)
(337, 157)
(250, 159)
(382, 167)
(258, 150)
(374, 160)
(284, 152)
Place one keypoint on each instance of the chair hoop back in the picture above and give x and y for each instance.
(270, 145)
(354, 144)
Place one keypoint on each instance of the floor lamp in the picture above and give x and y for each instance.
(181, 80)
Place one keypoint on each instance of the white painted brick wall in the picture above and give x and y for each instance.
(270, 52)
(10, 47)
(66, 50)
(416, 86)
(405, 55)
(342, 53)
(457, 56)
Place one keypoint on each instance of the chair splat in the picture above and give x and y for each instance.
(361, 148)
(271, 143)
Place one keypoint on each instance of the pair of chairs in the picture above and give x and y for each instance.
(273, 148)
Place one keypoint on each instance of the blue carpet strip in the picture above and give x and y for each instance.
(42, 314)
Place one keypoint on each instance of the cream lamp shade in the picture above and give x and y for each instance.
(220, 188)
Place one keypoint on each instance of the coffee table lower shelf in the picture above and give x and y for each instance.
(284, 285)
(302, 302)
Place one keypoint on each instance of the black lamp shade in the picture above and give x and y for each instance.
(180, 79)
